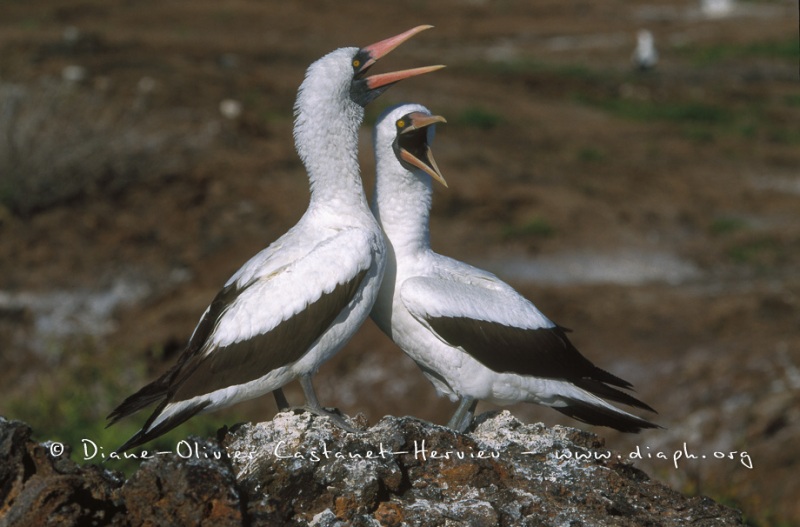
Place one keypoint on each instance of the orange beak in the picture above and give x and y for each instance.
(419, 153)
(367, 89)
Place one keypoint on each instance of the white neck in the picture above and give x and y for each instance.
(402, 204)
(326, 137)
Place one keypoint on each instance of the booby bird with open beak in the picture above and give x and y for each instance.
(474, 337)
(297, 302)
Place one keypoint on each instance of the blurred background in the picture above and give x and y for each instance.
(651, 204)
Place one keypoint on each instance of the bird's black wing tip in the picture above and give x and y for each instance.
(148, 432)
(600, 416)
(601, 389)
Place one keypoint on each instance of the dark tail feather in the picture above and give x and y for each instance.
(148, 395)
(587, 369)
(607, 392)
(602, 375)
(148, 434)
(599, 416)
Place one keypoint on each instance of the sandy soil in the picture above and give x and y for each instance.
(657, 213)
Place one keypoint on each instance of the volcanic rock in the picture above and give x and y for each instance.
(299, 469)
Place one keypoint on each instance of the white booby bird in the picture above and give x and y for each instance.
(297, 302)
(645, 56)
(473, 336)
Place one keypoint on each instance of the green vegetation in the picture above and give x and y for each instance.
(591, 154)
(786, 49)
(699, 122)
(479, 118)
(534, 227)
(30, 24)
(703, 122)
(700, 118)
(676, 111)
(760, 252)
(727, 225)
(69, 402)
(785, 135)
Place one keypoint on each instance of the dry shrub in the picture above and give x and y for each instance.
(61, 140)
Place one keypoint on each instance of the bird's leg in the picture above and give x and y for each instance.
(313, 406)
(280, 399)
(308, 390)
(463, 416)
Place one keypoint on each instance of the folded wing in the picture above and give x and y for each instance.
(252, 329)
(506, 333)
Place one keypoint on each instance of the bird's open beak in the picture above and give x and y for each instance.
(420, 154)
(387, 79)
(369, 55)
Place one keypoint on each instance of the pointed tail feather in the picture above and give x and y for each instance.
(146, 396)
(158, 390)
(150, 432)
(600, 389)
(605, 415)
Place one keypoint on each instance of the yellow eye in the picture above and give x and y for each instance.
(356, 63)
(401, 123)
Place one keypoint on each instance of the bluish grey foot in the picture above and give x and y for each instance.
(462, 418)
(313, 406)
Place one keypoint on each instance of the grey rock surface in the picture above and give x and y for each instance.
(299, 469)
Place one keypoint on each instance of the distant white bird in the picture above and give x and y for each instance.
(473, 336)
(297, 302)
(645, 56)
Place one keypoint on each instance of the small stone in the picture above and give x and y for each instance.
(74, 73)
(230, 108)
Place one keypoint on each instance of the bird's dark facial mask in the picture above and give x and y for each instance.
(360, 91)
(411, 144)
(364, 90)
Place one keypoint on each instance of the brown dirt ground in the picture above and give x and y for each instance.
(556, 142)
